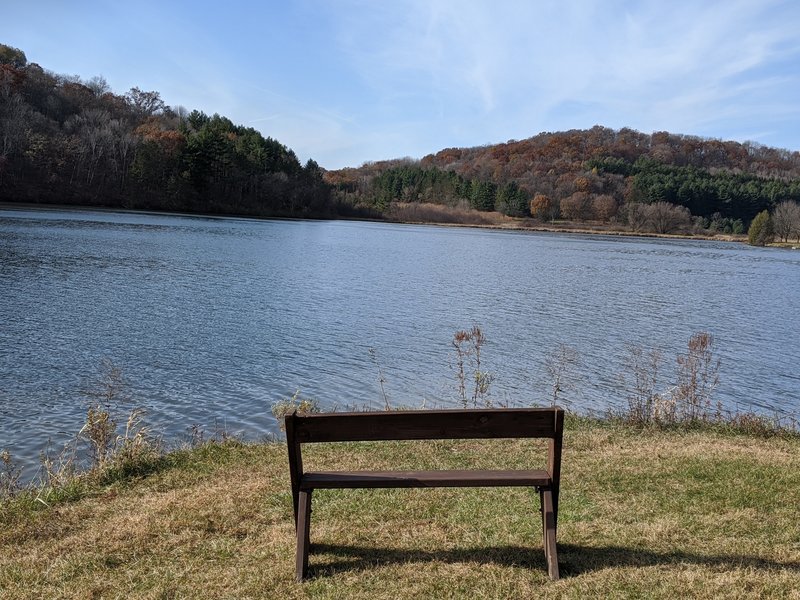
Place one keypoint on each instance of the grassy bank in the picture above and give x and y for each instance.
(644, 513)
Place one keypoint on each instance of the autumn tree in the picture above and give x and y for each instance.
(604, 207)
(576, 207)
(582, 184)
(786, 220)
(542, 207)
(158, 153)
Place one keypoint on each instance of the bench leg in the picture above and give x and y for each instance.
(303, 528)
(549, 533)
(295, 504)
(541, 513)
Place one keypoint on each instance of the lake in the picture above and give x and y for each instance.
(212, 320)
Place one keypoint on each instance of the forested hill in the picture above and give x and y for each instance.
(598, 174)
(68, 141)
(65, 140)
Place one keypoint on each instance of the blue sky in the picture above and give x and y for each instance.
(346, 81)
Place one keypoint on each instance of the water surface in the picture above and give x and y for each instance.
(212, 320)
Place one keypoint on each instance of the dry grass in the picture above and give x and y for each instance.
(416, 212)
(655, 514)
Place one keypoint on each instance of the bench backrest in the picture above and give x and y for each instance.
(425, 425)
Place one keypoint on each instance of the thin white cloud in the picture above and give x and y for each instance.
(492, 65)
(361, 80)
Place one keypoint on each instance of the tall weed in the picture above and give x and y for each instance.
(688, 400)
(109, 402)
(113, 436)
(561, 365)
(468, 344)
(640, 379)
(697, 378)
(10, 475)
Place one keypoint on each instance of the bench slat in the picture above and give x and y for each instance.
(426, 425)
(410, 479)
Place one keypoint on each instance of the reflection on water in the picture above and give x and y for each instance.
(214, 319)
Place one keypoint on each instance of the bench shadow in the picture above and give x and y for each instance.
(585, 559)
(573, 560)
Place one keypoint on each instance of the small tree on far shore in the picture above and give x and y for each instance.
(604, 207)
(786, 220)
(665, 217)
(542, 207)
(761, 232)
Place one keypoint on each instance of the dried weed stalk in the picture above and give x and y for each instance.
(561, 365)
(468, 345)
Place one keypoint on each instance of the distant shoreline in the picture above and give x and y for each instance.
(557, 228)
(528, 226)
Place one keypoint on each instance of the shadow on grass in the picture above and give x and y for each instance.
(573, 560)
(585, 559)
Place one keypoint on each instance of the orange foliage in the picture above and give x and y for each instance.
(169, 140)
(582, 184)
(541, 205)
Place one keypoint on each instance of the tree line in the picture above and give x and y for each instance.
(414, 183)
(68, 141)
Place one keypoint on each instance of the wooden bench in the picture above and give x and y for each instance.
(425, 425)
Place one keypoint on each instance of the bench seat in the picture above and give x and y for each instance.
(422, 479)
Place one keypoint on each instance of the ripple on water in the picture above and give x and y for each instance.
(212, 320)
